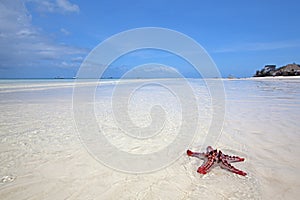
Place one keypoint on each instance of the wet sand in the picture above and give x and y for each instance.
(42, 156)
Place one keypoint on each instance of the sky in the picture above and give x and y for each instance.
(51, 38)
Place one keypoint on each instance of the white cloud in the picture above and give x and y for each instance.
(78, 59)
(155, 70)
(23, 44)
(64, 31)
(58, 6)
(67, 6)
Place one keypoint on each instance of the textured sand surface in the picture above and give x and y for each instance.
(42, 157)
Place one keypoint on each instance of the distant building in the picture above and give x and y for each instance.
(270, 67)
(268, 70)
(287, 70)
(290, 70)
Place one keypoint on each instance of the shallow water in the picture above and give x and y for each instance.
(42, 157)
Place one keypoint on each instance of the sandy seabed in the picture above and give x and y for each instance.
(42, 157)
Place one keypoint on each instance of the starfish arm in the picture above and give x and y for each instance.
(209, 149)
(231, 159)
(214, 157)
(206, 166)
(225, 165)
(195, 154)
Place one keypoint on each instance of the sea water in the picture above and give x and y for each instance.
(42, 155)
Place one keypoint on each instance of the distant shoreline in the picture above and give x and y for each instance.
(221, 78)
(272, 78)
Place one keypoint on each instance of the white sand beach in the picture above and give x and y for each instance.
(42, 155)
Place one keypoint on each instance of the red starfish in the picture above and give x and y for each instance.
(214, 157)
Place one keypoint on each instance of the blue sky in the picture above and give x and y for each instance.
(48, 38)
